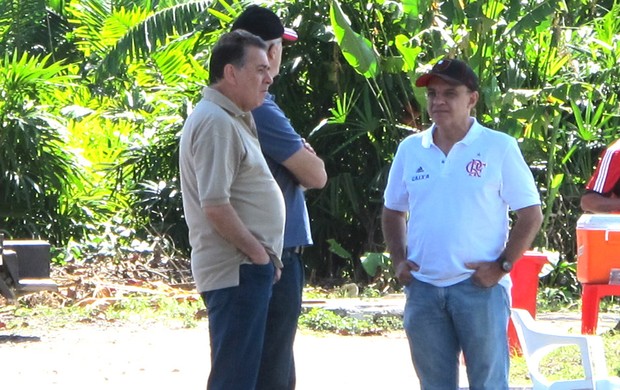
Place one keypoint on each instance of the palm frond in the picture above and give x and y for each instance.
(152, 33)
(25, 27)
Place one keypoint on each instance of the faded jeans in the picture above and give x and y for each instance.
(440, 322)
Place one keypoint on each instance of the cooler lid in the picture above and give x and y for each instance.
(599, 222)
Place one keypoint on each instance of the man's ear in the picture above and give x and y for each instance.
(473, 98)
(230, 73)
(271, 51)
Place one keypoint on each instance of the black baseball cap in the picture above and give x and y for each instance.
(264, 23)
(452, 71)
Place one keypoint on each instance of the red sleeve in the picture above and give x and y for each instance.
(607, 172)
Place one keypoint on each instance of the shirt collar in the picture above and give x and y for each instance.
(215, 96)
(473, 133)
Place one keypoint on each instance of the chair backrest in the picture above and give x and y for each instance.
(537, 342)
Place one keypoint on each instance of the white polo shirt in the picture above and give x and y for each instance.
(458, 204)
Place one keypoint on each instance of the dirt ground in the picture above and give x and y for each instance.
(161, 356)
(158, 357)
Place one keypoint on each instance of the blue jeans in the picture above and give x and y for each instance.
(440, 322)
(277, 371)
(237, 320)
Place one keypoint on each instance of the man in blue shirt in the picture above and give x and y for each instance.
(296, 167)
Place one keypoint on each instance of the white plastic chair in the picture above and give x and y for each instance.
(537, 342)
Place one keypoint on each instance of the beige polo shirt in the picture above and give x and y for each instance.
(221, 162)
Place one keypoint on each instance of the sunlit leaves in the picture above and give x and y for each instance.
(117, 36)
(336, 248)
(410, 54)
(535, 17)
(154, 32)
(357, 50)
(29, 76)
(373, 262)
(89, 18)
(493, 9)
(411, 7)
(36, 171)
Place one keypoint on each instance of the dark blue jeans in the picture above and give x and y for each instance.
(237, 320)
(277, 370)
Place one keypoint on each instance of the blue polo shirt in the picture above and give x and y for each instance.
(279, 141)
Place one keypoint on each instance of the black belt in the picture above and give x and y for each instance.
(295, 249)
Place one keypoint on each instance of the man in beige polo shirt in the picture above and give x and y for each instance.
(234, 209)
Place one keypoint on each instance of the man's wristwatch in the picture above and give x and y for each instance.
(504, 264)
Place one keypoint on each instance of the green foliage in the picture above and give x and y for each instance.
(554, 298)
(375, 262)
(560, 286)
(338, 249)
(142, 309)
(327, 321)
(39, 174)
(371, 292)
(144, 174)
(532, 87)
(94, 94)
(164, 309)
(23, 27)
(564, 363)
(379, 267)
(356, 49)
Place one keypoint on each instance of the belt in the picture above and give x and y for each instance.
(295, 249)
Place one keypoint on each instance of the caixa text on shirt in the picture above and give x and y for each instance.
(423, 176)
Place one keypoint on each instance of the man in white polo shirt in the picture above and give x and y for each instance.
(446, 225)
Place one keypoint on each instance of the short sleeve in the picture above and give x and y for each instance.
(277, 137)
(396, 196)
(518, 187)
(217, 154)
(607, 172)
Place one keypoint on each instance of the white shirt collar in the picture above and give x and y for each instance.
(473, 133)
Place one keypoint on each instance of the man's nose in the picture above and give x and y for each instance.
(438, 98)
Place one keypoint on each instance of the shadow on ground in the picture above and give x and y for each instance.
(15, 338)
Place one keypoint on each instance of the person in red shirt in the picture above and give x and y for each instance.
(602, 193)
